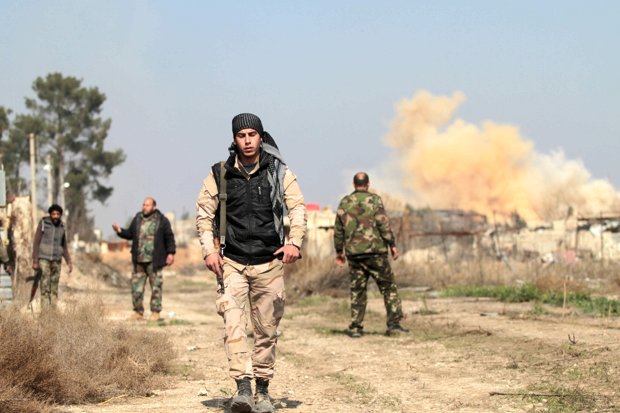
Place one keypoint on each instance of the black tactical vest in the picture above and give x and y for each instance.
(251, 236)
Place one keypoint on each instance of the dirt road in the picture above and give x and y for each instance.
(460, 352)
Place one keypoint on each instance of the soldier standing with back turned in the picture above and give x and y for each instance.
(362, 234)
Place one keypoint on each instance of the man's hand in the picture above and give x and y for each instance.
(215, 263)
(290, 253)
(70, 267)
(170, 259)
(116, 228)
(340, 259)
(394, 251)
(35, 265)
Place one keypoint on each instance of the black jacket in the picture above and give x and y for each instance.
(164, 239)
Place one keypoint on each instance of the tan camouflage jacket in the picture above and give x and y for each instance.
(362, 226)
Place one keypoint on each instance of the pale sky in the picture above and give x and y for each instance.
(323, 75)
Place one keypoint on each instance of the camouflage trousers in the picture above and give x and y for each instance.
(262, 287)
(378, 267)
(141, 272)
(50, 276)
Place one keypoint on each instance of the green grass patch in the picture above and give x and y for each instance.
(558, 399)
(336, 309)
(168, 322)
(583, 301)
(184, 370)
(358, 390)
(504, 293)
(178, 322)
(538, 310)
(407, 295)
(314, 300)
(185, 285)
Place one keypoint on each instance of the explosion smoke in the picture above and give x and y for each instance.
(449, 163)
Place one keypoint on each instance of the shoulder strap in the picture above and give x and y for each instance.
(222, 197)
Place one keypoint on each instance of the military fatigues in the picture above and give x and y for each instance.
(49, 247)
(152, 242)
(263, 284)
(143, 268)
(260, 283)
(362, 231)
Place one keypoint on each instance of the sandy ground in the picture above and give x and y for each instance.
(459, 351)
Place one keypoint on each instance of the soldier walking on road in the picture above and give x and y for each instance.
(152, 248)
(48, 249)
(242, 200)
(363, 236)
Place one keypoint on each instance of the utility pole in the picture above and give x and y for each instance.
(33, 179)
(48, 168)
(61, 176)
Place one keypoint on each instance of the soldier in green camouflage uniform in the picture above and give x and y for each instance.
(362, 234)
(144, 267)
(153, 247)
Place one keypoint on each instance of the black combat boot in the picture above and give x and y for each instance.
(355, 331)
(396, 329)
(243, 401)
(263, 401)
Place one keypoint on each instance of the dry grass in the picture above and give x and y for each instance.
(312, 275)
(602, 277)
(92, 266)
(75, 356)
(321, 275)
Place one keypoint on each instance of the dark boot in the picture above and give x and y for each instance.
(396, 329)
(263, 401)
(355, 331)
(243, 401)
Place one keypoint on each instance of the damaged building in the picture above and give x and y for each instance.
(428, 234)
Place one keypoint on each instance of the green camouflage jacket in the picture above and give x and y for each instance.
(362, 226)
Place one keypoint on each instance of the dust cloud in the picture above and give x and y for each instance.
(446, 162)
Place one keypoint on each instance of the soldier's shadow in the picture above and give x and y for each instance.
(224, 403)
(346, 332)
(218, 402)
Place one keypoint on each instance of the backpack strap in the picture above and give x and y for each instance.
(222, 227)
(222, 197)
(42, 225)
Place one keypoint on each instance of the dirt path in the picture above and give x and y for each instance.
(451, 362)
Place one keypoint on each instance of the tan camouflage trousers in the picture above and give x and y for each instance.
(262, 286)
(50, 277)
(378, 267)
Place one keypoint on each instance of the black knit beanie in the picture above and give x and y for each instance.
(247, 121)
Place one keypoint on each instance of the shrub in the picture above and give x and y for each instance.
(76, 356)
